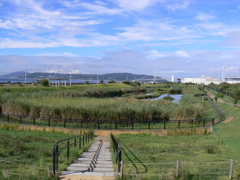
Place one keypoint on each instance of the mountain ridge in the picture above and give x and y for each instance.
(108, 76)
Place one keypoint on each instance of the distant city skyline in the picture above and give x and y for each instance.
(184, 38)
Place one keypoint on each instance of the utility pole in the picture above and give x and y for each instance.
(26, 76)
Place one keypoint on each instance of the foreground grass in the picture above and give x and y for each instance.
(196, 154)
(28, 154)
(228, 131)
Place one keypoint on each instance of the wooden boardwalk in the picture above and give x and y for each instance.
(95, 164)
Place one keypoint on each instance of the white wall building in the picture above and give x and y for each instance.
(202, 80)
(232, 80)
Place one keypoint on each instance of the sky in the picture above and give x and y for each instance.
(185, 38)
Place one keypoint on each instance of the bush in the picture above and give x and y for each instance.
(44, 82)
(111, 81)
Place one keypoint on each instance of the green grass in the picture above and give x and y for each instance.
(229, 132)
(28, 154)
(139, 151)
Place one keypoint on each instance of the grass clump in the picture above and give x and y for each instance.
(28, 154)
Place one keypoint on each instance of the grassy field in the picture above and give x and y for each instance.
(28, 154)
(145, 155)
(228, 131)
(153, 157)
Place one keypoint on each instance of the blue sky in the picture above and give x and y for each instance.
(185, 38)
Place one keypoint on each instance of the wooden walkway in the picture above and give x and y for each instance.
(95, 164)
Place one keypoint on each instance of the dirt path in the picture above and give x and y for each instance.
(220, 100)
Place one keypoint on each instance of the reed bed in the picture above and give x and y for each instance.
(65, 105)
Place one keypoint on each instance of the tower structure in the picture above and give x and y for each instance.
(223, 73)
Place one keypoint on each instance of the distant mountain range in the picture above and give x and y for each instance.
(108, 76)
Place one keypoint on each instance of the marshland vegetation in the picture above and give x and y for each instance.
(101, 102)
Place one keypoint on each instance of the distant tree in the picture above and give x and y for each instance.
(126, 82)
(111, 81)
(235, 100)
(101, 81)
(179, 80)
(86, 82)
(137, 83)
(44, 82)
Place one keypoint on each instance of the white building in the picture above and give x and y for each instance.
(202, 80)
(232, 80)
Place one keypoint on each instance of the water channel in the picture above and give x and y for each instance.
(176, 97)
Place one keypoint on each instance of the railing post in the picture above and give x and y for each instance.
(177, 168)
(179, 124)
(204, 122)
(75, 142)
(64, 123)
(231, 169)
(49, 122)
(34, 121)
(8, 118)
(132, 124)
(83, 140)
(68, 151)
(212, 121)
(121, 168)
(164, 124)
(20, 119)
(116, 124)
(56, 158)
(80, 142)
(148, 124)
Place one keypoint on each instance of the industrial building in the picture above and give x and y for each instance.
(229, 79)
(203, 80)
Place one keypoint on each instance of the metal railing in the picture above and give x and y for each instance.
(81, 140)
(129, 124)
(117, 147)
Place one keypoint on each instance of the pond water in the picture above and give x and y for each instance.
(176, 97)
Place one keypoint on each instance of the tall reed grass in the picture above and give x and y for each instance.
(66, 105)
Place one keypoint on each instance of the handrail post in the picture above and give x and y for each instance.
(68, 153)
(121, 168)
(164, 124)
(80, 143)
(75, 142)
(179, 124)
(56, 158)
(212, 121)
(83, 140)
(20, 119)
(34, 121)
(204, 122)
(8, 118)
(149, 124)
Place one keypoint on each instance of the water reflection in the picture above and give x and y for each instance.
(176, 97)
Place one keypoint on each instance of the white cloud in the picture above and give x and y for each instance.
(136, 5)
(182, 54)
(156, 54)
(100, 9)
(204, 16)
(181, 5)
